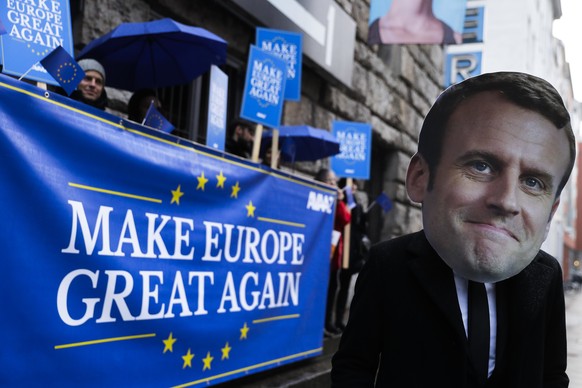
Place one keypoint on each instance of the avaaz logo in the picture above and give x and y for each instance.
(320, 202)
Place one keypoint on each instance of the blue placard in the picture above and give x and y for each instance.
(288, 46)
(217, 103)
(461, 65)
(355, 140)
(133, 258)
(34, 29)
(264, 88)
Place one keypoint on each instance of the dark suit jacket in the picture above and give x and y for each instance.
(405, 328)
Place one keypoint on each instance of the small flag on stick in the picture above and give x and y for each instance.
(350, 201)
(384, 202)
(63, 68)
(155, 119)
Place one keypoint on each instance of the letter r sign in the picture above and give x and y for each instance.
(460, 66)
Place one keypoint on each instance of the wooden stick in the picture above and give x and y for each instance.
(275, 149)
(257, 142)
(347, 234)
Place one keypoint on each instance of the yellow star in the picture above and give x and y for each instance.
(187, 359)
(201, 181)
(207, 360)
(225, 351)
(176, 194)
(221, 178)
(169, 343)
(235, 190)
(250, 209)
(243, 331)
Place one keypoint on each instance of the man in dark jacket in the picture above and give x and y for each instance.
(240, 138)
(471, 301)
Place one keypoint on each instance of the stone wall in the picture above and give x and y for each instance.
(392, 88)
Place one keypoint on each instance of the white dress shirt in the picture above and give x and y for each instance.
(462, 286)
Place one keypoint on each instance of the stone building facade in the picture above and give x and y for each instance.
(392, 88)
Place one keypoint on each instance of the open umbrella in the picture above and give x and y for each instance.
(302, 142)
(155, 54)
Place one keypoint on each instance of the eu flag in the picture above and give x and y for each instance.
(63, 68)
(155, 119)
(384, 201)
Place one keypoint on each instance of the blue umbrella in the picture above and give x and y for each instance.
(302, 142)
(155, 54)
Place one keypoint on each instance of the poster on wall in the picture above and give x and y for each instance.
(33, 30)
(412, 22)
(131, 256)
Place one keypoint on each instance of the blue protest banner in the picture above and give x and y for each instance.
(34, 29)
(133, 258)
(287, 46)
(355, 139)
(264, 88)
(217, 102)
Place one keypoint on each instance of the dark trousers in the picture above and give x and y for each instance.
(337, 296)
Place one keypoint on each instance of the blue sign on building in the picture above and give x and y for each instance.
(473, 28)
(355, 139)
(288, 46)
(34, 29)
(460, 66)
(264, 88)
(217, 98)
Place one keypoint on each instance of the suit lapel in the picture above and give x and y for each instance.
(438, 281)
(524, 296)
(529, 289)
(519, 300)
